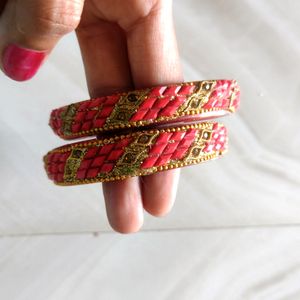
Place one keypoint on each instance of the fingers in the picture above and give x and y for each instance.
(124, 205)
(152, 48)
(29, 30)
(103, 47)
(159, 192)
(154, 60)
(104, 53)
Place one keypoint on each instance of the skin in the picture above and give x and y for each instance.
(125, 44)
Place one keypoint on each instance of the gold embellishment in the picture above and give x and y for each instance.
(206, 135)
(195, 151)
(67, 116)
(126, 107)
(135, 154)
(201, 139)
(198, 98)
(73, 163)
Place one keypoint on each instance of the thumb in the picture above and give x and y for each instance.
(29, 30)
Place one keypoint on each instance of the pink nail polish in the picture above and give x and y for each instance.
(20, 63)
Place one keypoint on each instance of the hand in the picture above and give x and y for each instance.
(125, 44)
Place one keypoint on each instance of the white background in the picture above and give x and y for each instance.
(233, 232)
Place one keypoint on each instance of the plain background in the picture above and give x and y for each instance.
(233, 232)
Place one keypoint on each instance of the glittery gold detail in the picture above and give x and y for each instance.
(200, 97)
(126, 107)
(73, 163)
(196, 149)
(135, 154)
(67, 117)
(206, 134)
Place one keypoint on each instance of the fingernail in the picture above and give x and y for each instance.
(21, 63)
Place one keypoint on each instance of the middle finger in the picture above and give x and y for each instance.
(104, 53)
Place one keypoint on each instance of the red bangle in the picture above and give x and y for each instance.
(142, 132)
(135, 154)
(199, 100)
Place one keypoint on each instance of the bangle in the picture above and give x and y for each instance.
(135, 154)
(141, 132)
(200, 100)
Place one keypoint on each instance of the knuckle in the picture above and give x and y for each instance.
(56, 25)
(59, 18)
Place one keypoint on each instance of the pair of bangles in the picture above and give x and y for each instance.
(141, 132)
